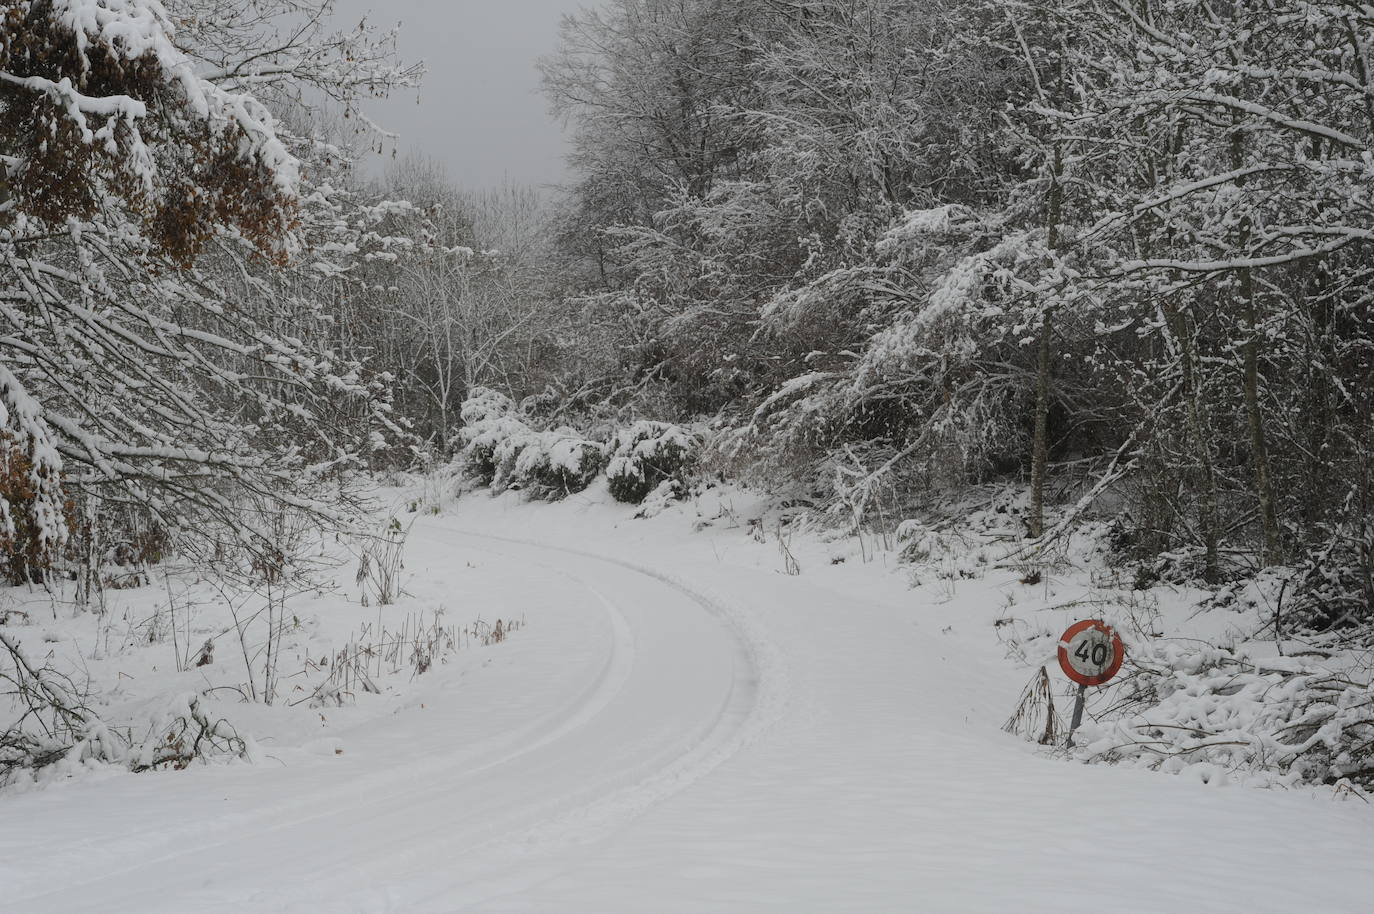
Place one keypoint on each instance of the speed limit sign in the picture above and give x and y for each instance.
(1090, 652)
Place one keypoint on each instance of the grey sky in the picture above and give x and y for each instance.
(480, 112)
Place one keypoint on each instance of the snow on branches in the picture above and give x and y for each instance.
(1023, 239)
(501, 450)
(157, 351)
(101, 105)
(1220, 716)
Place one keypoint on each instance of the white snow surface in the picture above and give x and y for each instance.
(680, 727)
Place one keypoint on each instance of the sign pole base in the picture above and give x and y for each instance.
(1077, 713)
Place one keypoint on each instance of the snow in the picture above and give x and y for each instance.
(957, 296)
(21, 419)
(916, 225)
(139, 29)
(483, 403)
(681, 726)
(647, 454)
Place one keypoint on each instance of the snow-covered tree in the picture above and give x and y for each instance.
(928, 244)
(147, 190)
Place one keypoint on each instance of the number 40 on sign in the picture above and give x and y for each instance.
(1090, 653)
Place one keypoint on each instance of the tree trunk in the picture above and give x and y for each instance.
(1272, 554)
(1040, 447)
(1202, 449)
(1269, 527)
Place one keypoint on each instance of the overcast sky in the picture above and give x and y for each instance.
(480, 112)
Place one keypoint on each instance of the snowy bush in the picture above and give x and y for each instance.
(54, 726)
(479, 457)
(483, 403)
(185, 732)
(514, 438)
(502, 450)
(492, 437)
(499, 449)
(558, 463)
(1220, 716)
(1333, 588)
(656, 502)
(647, 455)
(26, 547)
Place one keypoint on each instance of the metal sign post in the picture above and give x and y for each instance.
(1077, 712)
(1090, 653)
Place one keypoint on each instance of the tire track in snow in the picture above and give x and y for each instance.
(389, 786)
(756, 700)
(608, 684)
(530, 839)
(525, 849)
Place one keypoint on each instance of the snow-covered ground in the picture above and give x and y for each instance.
(680, 725)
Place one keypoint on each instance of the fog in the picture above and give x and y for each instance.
(480, 112)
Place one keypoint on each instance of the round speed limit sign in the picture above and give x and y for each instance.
(1090, 653)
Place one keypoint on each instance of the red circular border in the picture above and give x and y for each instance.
(1118, 652)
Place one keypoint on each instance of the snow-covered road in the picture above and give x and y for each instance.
(676, 731)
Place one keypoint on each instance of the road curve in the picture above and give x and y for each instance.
(627, 686)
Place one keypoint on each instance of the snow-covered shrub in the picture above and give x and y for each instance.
(501, 450)
(483, 403)
(952, 537)
(27, 549)
(557, 463)
(134, 537)
(515, 438)
(492, 437)
(1333, 589)
(785, 445)
(1221, 716)
(51, 724)
(656, 502)
(646, 455)
(46, 717)
(186, 732)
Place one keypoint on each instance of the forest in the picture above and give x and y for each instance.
(1113, 252)
(1095, 266)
